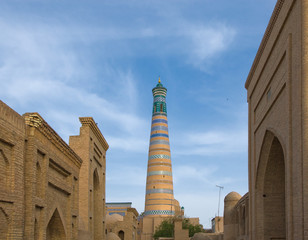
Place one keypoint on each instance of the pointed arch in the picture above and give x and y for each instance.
(270, 188)
(263, 157)
(4, 166)
(39, 180)
(96, 180)
(97, 204)
(55, 228)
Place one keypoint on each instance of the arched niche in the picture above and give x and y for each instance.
(270, 189)
(97, 205)
(121, 234)
(55, 228)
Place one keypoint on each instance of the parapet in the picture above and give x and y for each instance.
(89, 121)
(11, 117)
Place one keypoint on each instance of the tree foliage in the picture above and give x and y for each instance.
(166, 228)
(191, 228)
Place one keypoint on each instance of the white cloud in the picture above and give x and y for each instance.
(209, 41)
(211, 143)
(186, 172)
(129, 143)
(126, 175)
(201, 175)
(40, 72)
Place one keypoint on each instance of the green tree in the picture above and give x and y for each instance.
(165, 229)
(191, 228)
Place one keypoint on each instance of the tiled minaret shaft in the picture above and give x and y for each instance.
(159, 188)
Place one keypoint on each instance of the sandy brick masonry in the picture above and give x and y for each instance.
(277, 95)
(91, 146)
(12, 150)
(41, 176)
(126, 227)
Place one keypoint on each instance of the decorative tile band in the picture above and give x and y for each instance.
(159, 142)
(159, 212)
(159, 99)
(159, 156)
(159, 128)
(160, 182)
(159, 114)
(154, 199)
(159, 204)
(159, 135)
(159, 149)
(159, 173)
(159, 91)
(159, 190)
(157, 95)
(162, 115)
(159, 121)
(159, 164)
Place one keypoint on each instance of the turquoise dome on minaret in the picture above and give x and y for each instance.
(159, 94)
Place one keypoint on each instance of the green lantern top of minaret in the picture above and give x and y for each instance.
(159, 89)
(159, 94)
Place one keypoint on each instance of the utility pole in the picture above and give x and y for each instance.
(220, 188)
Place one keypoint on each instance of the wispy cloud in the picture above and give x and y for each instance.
(129, 143)
(38, 69)
(211, 143)
(127, 175)
(209, 41)
(200, 175)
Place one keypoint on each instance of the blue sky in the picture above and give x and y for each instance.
(66, 59)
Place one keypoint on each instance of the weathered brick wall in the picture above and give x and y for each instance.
(12, 140)
(278, 125)
(91, 146)
(129, 226)
(51, 186)
(40, 179)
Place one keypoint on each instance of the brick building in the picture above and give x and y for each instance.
(40, 179)
(276, 206)
(122, 220)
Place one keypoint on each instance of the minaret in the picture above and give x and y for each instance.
(159, 200)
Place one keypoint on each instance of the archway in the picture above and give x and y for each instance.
(271, 189)
(55, 228)
(121, 235)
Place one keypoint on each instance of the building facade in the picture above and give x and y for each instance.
(277, 94)
(40, 180)
(91, 146)
(122, 220)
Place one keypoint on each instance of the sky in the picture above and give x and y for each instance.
(67, 59)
